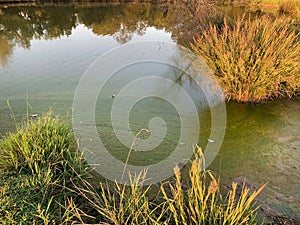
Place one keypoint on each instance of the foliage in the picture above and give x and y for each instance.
(255, 60)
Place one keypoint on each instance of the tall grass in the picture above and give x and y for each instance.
(42, 145)
(116, 204)
(254, 59)
(39, 164)
(202, 202)
(198, 202)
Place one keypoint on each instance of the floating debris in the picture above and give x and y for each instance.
(34, 116)
(113, 95)
(211, 140)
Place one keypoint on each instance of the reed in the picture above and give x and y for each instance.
(254, 59)
(198, 202)
(203, 203)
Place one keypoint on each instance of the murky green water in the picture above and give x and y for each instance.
(44, 51)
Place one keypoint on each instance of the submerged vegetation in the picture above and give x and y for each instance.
(44, 181)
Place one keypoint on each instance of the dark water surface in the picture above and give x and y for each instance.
(44, 51)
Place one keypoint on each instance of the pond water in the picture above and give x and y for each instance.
(45, 50)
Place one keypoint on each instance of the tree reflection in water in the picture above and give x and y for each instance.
(21, 24)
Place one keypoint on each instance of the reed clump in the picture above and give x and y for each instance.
(203, 203)
(254, 59)
(198, 201)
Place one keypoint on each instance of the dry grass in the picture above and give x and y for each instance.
(198, 202)
(287, 8)
(202, 202)
(255, 60)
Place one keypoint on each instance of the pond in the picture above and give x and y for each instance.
(46, 49)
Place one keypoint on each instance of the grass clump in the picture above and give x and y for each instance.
(23, 200)
(43, 145)
(203, 203)
(38, 166)
(198, 202)
(113, 203)
(254, 60)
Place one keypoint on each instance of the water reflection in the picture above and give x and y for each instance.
(5, 51)
(119, 21)
(21, 24)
